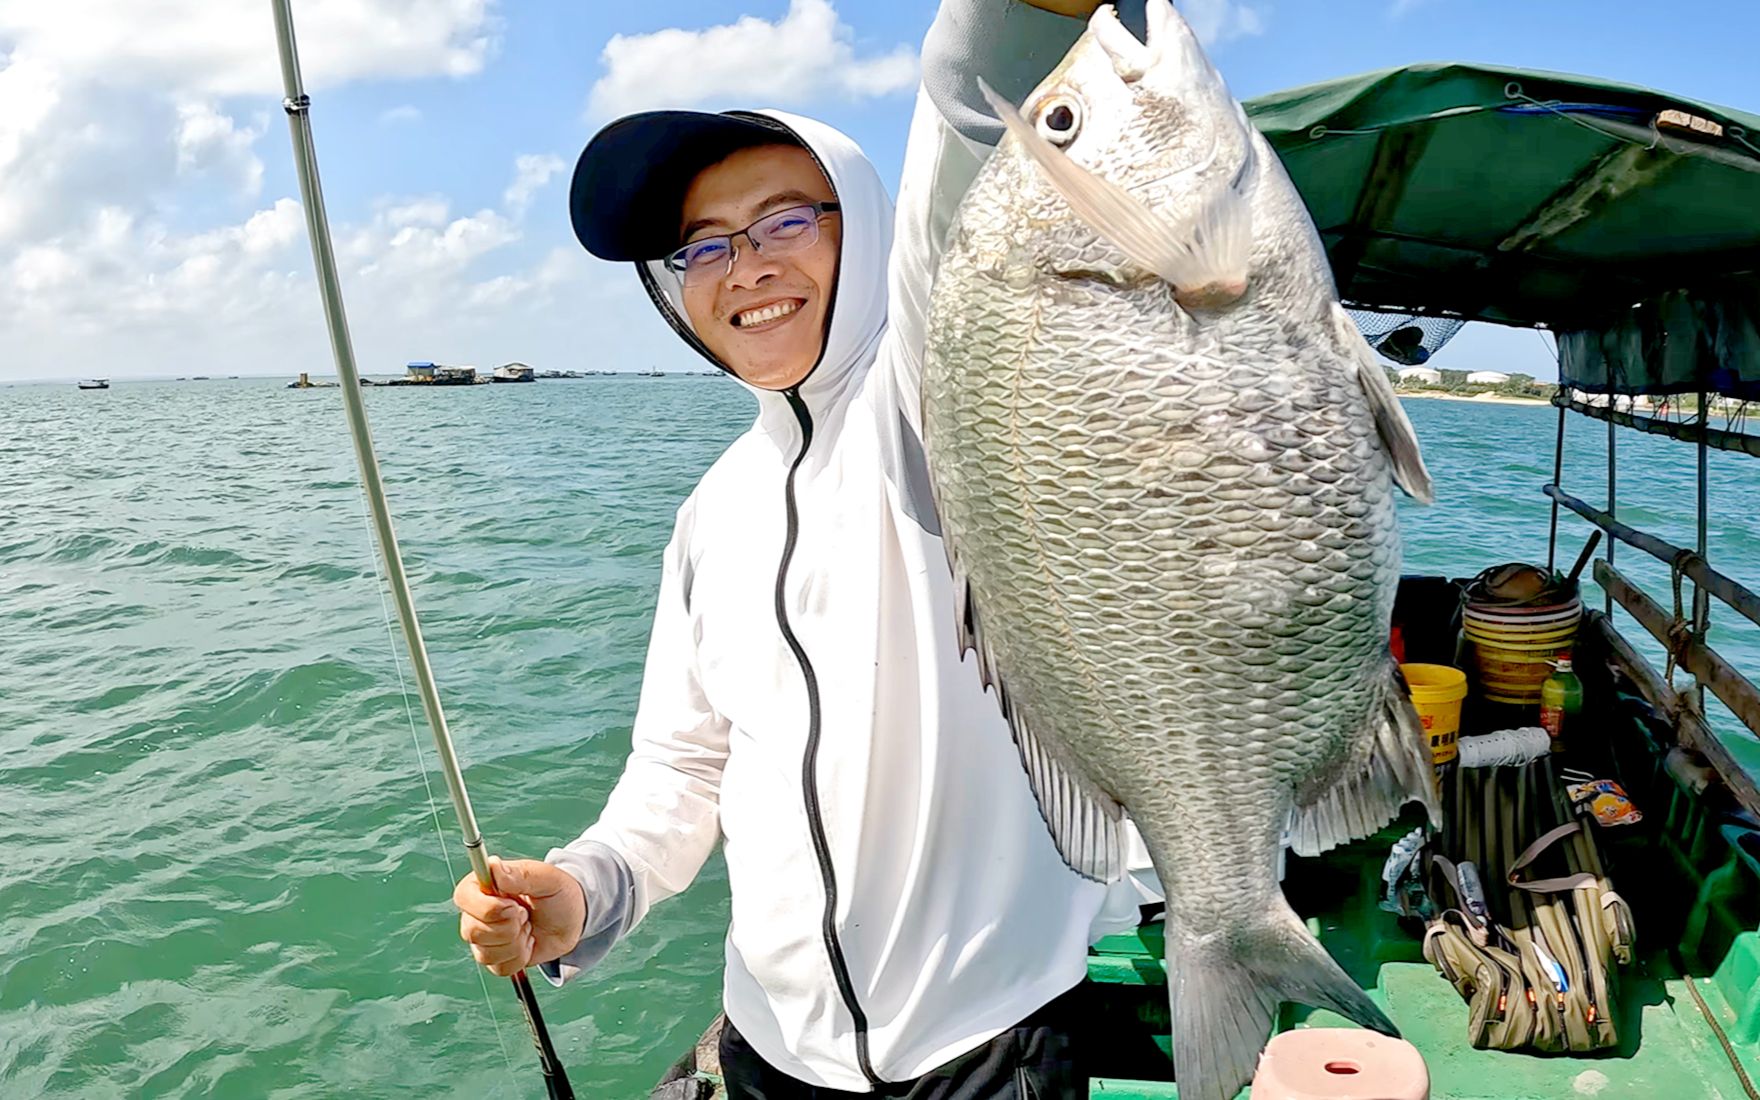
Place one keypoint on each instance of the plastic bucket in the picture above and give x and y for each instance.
(1568, 616)
(1437, 692)
(1513, 646)
(1513, 674)
(1551, 642)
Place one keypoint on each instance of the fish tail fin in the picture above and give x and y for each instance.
(1398, 770)
(1225, 991)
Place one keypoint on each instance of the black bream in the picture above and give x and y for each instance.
(1164, 461)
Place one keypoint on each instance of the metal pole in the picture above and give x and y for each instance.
(1701, 598)
(1612, 492)
(1557, 475)
(305, 158)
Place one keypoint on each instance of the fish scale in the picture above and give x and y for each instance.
(1172, 529)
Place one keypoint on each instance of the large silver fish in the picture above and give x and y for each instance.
(1164, 462)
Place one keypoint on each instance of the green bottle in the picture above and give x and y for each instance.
(1561, 700)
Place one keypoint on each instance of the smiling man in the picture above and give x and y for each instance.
(764, 311)
(901, 920)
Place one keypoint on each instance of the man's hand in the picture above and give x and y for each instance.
(1075, 9)
(539, 919)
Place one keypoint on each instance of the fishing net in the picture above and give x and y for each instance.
(1405, 338)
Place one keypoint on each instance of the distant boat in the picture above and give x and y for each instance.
(94, 383)
(512, 372)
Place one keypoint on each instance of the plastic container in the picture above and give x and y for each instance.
(1561, 700)
(1511, 648)
(1437, 692)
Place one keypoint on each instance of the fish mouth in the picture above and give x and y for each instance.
(767, 315)
(1169, 37)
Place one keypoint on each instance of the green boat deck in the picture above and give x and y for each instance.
(1694, 882)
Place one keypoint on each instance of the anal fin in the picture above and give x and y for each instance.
(1398, 771)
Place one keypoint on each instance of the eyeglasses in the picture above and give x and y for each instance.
(777, 234)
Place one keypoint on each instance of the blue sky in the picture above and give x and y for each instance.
(149, 220)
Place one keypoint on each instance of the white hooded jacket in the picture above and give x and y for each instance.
(896, 897)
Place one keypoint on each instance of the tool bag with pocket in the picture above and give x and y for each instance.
(1527, 928)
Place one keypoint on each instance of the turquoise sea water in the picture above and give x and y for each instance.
(223, 878)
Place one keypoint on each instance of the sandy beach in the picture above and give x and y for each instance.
(1480, 399)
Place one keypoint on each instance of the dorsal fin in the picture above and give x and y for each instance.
(1391, 423)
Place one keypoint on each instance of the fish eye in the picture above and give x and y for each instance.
(1059, 119)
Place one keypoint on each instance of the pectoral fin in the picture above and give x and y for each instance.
(1390, 417)
(1205, 262)
(1084, 820)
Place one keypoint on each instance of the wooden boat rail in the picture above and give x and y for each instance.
(1689, 650)
(1690, 725)
(1689, 563)
(1682, 636)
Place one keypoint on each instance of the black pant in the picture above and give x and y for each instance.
(1039, 1058)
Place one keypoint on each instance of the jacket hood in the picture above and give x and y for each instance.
(858, 304)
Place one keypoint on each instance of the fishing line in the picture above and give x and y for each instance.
(421, 759)
(297, 106)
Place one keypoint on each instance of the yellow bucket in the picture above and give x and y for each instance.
(1437, 691)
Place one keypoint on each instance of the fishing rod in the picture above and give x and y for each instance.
(305, 158)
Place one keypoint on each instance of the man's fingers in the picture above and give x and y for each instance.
(471, 899)
(492, 933)
(1078, 9)
(530, 877)
(499, 929)
(506, 960)
(507, 969)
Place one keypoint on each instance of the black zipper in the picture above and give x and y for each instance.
(809, 764)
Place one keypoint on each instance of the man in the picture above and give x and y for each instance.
(901, 921)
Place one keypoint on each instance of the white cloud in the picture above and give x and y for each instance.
(210, 142)
(399, 115)
(228, 48)
(1403, 7)
(807, 55)
(1215, 21)
(531, 173)
(431, 210)
(120, 130)
(107, 103)
(420, 281)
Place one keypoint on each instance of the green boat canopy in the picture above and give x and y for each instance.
(1609, 213)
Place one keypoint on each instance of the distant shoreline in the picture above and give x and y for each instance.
(1480, 399)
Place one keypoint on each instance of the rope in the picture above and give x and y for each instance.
(1681, 632)
(1735, 1061)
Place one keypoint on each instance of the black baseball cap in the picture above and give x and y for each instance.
(630, 181)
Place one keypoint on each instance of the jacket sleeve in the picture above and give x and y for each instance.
(1009, 45)
(664, 815)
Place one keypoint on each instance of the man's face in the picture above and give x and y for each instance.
(777, 352)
